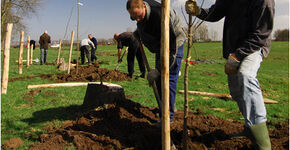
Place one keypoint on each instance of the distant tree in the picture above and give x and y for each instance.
(282, 35)
(13, 11)
(214, 35)
(201, 33)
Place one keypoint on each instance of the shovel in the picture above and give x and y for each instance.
(120, 60)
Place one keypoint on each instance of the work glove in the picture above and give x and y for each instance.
(192, 8)
(152, 76)
(232, 65)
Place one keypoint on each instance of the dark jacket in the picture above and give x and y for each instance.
(126, 39)
(247, 27)
(94, 40)
(149, 29)
(44, 40)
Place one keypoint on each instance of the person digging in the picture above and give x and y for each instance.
(246, 41)
(127, 39)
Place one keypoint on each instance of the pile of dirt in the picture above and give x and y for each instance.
(92, 73)
(125, 124)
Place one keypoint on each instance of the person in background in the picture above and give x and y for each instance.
(44, 40)
(93, 50)
(246, 41)
(127, 39)
(84, 47)
(32, 43)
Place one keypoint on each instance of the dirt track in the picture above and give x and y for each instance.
(128, 125)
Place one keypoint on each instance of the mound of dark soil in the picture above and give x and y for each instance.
(92, 74)
(128, 125)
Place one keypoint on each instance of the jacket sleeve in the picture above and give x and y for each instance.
(215, 13)
(260, 30)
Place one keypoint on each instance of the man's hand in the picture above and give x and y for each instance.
(232, 65)
(192, 8)
(152, 76)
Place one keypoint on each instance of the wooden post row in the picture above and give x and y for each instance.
(20, 59)
(165, 120)
(6, 58)
(70, 51)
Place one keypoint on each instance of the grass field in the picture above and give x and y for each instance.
(25, 116)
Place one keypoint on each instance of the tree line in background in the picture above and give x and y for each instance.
(281, 35)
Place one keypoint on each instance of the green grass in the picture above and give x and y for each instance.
(25, 117)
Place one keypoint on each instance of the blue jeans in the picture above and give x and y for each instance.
(173, 76)
(43, 53)
(245, 89)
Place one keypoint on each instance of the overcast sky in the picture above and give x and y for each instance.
(103, 18)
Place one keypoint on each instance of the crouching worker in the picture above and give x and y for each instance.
(127, 39)
(84, 47)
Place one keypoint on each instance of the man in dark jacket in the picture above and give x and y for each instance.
(127, 39)
(246, 41)
(93, 50)
(147, 13)
(44, 40)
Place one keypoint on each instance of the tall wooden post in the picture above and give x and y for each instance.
(6, 58)
(59, 49)
(28, 49)
(31, 54)
(20, 59)
(78, 43)
(70, 51)
(186, 82)
(165, 9)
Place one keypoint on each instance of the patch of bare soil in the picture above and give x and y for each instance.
(92, 73)
(43, 76)
(12, 143)
(125, 124)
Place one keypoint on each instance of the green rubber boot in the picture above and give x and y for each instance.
(260, 137)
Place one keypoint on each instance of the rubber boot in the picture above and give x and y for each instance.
(260, 137)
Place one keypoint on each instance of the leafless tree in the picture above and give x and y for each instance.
(213, 35)
(13, 11)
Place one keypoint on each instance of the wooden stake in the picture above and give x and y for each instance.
(59, 49)
(20, 59)
(165, 11)
(28, 48)
(186, 82)
(6, 58)
(223, 96)
(70, 51)
(31, 54)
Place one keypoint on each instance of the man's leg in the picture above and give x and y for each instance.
(130, 60)
(93, 56)
(245, 89)
(173, 76)
(82, 55)
(140, 62)
(41, 56)
(45, 54)
(87, 54)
